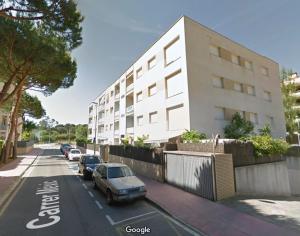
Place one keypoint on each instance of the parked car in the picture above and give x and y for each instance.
(118, 182)
(74, 154)
(87, 164)
(67, 150)
(63, 147)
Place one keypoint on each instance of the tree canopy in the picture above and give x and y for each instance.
(59, 17)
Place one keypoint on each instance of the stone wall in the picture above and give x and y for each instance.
(150, 170)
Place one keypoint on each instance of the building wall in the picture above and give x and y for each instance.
(159, 102)
(197, 102)
(204, 97)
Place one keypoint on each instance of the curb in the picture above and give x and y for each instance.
(152, 202)
(13, 187)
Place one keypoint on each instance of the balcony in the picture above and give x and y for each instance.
(129, 130)
(129, 88)
(117, 96)
(129, 109)
(296, 94)
(116, 132)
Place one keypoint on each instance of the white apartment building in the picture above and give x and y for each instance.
(191, 78)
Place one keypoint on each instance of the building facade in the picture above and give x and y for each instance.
(191, 78)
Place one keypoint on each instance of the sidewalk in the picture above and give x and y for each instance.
(11, 173)
(210, 218)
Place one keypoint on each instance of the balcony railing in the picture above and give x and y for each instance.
(117, 95)
(129, 87)
(129, 109)
(129, 130)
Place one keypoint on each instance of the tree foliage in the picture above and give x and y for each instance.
(192, 136)
(58, 17)
(287, 88)
(31, 106)
(238, 127)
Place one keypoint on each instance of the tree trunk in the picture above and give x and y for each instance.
(6, 149)
(16, 136)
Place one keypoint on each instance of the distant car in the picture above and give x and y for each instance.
(67, 150)
(87, 164)
(74, 154)
(118, 182)
(63, 147)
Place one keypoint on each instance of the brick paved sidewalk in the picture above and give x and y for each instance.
(11, 172)
(209, 217)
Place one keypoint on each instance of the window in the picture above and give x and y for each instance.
(107, 98)
(111, 127)
(248, 65)
(139, 120)
(253, 118)
(242, 114)
(139, 73)
(139, 96)
(152, 90)
(214, 50)
(111, 93)
(153, 117)
(264, 71)
(111, 110)
(219, 113)
(251, 90)
(235, 59)
(172, 51)
(173, 84)
(218, 82)
(175, 116)
(151, 63)
(238, 87)
(267, 96)
(106, 127)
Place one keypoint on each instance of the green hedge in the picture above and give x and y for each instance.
(265, 145)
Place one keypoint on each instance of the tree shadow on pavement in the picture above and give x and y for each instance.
(282, 211)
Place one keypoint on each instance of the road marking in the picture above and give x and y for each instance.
(98, 205)
(110, 219)
(91, 194)
(84, 186)
(131, 218)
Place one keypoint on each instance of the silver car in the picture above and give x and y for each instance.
(118, 182)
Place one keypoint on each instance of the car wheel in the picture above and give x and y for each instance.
(109, 198)
(85, 177)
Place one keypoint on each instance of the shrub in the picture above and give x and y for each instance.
(266, 130)
(265, 145)
(26, 135)
(238, 127)
(192, 136)
(140, 142)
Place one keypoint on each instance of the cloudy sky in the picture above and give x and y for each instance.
(117, 32)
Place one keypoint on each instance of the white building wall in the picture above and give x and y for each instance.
(198, 97)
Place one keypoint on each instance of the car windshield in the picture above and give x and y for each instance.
(119, 171)
(92, 160)
(75, 152)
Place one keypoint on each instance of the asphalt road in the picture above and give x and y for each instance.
(54, 200)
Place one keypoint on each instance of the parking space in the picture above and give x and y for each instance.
(137, 214)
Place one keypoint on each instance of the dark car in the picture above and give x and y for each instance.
(63, 147)
(87, 164)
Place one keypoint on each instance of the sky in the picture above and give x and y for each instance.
(117, 32)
